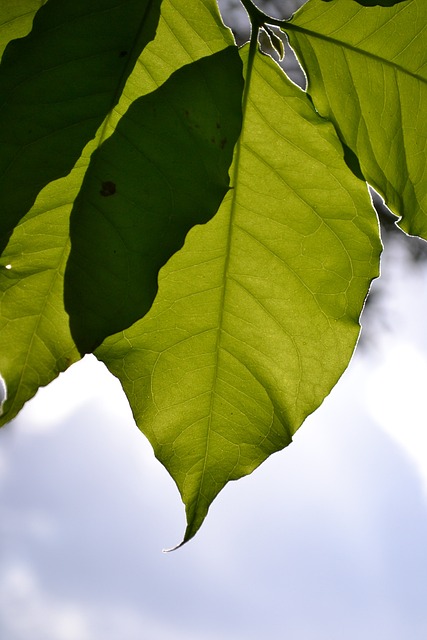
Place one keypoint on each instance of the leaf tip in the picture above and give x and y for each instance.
(174, 548)
(190, 532)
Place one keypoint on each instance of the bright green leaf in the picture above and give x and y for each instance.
(367, 73)
(35, 340)
(257, 316)
(275, 42)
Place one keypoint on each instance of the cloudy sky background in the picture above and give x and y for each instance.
(327, 540)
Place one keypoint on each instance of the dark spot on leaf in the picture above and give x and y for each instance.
(213, 140)
(108, 188)
(122, 54)
(218, 126)
(223, 143)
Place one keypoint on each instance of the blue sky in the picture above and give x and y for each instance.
(325, 541)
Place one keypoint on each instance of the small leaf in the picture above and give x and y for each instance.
(276, 42)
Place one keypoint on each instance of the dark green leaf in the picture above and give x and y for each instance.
(57, 85)
(164, 169)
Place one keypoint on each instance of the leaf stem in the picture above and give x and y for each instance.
(258, 18)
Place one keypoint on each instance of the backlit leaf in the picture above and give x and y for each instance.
(367, 73)
(35, 339)
(257, 316)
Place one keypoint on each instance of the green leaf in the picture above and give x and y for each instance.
(257, 316)
(164, 169)
(57, 86)
(367, 73)
(35, 339)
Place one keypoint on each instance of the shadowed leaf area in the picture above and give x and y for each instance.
(57, 85)
(163, 170)
(374, 3)
(379, 3)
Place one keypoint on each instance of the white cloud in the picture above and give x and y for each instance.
(34, 522)
(4, 464)
(84, 382)
(395, 398)
(28, 611)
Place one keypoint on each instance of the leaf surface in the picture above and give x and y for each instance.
(35, 339)
(257, 316)
(367, 73)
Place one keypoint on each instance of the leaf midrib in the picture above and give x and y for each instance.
(363, 52)
(235, 185)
